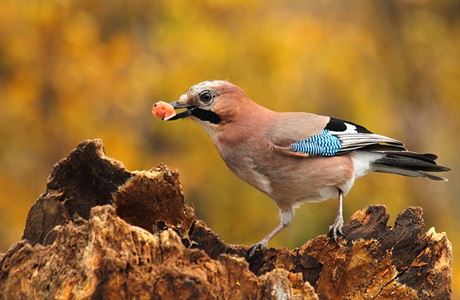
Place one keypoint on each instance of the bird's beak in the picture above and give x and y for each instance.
(184, 114)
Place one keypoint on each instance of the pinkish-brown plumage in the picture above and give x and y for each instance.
(256, 144)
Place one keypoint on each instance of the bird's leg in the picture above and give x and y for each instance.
(336, 228)
(285, 220)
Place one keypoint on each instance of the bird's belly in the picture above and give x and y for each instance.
(296, 180)
(290, 180)
(320, 195)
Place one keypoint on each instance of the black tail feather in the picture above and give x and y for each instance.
(428, 157)
(409, 164)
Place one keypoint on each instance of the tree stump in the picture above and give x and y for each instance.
(102, 232)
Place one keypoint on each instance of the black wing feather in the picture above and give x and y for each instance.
(355, 137)
(341, 125)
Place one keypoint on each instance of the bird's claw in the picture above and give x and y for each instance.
(258, 246)
(336, 229)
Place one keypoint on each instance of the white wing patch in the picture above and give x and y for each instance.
(350, 129)
(353, 137)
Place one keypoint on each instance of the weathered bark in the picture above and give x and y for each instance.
(102, 232)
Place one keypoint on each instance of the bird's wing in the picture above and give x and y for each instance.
(340, 137)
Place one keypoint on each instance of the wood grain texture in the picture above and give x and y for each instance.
(102, 232)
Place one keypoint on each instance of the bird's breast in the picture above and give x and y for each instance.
(244, 163)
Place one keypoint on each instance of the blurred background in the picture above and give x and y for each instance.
(72, 70)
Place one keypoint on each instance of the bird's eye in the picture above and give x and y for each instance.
(206, 96)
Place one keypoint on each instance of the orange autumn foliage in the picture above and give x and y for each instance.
(72, 70)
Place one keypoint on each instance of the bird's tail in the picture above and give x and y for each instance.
(409, 164)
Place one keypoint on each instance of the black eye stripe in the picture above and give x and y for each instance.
(206, 115)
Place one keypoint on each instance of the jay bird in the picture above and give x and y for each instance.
(295, 157)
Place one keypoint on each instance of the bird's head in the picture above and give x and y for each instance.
(212, 103)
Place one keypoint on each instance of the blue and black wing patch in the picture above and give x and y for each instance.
(322, 144)
(340, 137)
